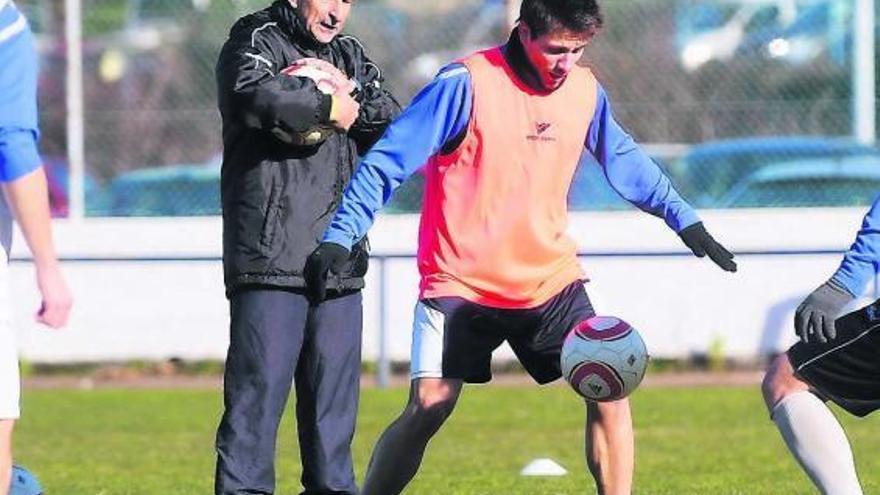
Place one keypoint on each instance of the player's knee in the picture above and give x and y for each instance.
(435, 409)
(773, 382)
(431, 407)
(779, 382)
(609, 412)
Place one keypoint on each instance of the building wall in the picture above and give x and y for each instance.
(152, 288)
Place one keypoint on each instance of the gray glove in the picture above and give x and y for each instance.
(816, 314)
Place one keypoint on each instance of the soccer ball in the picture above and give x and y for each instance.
(604, 358)
(317, 134)
(24, 483)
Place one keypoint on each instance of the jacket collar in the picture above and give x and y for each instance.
(289, 20)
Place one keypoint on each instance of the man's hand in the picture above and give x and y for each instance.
(327, 257)
(344, 111)
(814, 318)
(701, 243)
(345, 108)
(57, 300)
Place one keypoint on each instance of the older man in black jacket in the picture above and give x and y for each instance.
(290, 148)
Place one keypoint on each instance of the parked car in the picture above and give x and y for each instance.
(176, 190)
(708, 171)
(841, 181)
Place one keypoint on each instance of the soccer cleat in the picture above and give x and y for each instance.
(24, 483)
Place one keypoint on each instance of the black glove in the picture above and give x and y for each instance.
(816, 314)
(328, 256)
(701, 243)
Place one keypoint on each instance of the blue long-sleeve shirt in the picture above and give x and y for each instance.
(18, 95)
(436, 120)
(862, 260)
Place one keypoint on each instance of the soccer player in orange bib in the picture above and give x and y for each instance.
(499, 134)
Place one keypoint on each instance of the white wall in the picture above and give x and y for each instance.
(144, 305)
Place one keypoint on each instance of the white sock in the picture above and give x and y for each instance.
(818, 442)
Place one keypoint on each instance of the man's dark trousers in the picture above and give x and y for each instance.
(277, 338)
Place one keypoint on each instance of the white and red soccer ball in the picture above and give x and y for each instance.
(604, 358)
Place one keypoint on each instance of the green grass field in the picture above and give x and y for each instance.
(689, 441)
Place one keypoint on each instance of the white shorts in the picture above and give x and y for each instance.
(10, 384)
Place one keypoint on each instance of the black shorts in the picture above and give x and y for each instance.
(845, 370)
(454, 338)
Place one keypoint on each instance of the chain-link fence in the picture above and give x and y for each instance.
(745, 102)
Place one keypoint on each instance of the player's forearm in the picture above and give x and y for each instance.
(437, 114)
(859, 265)
(28, 198)
(640, 181)
(377, 177)
(643, 183)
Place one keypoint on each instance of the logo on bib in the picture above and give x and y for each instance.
(540, 130)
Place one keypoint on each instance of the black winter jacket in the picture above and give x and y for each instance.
(278, 198)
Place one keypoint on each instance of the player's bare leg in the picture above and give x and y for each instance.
(6, 426)
(810, 430)
(610, 447)
(398, 453)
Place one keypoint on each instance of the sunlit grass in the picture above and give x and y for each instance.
(689, 441)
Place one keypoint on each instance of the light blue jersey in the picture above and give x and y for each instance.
(18, 95)
(862, 261)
